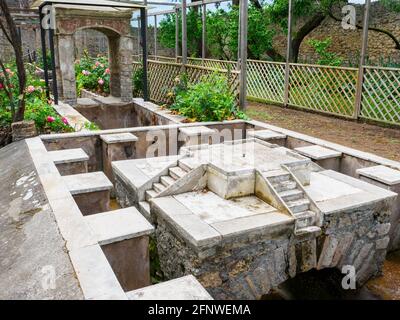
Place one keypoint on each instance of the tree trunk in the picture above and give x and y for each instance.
(313, 23)
(15, 41)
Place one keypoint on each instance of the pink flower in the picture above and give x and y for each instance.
(30, 89)
(97, 64)
(1, 86)
(8, 70)
(107, 71)
(65, 120)
(85, 72)
(101, 82)
(50, 119)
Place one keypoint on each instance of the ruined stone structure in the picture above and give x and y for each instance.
(115, 25)
(347, 43)
(245, 216)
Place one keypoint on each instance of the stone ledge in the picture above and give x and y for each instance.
(318, 153)
(87, 182)
(382, 174)
(266, 135)
(118, 225)
(95, 274)
(68, 156)
(118, 138)
(185, 288)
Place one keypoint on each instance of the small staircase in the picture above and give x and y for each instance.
(294, 197)
(174, 174)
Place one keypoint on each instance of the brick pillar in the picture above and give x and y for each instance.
(126, 61)
(120, 55)
(65, 68)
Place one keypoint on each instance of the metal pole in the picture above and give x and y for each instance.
(243, 53)
(238, 47)
(177, 33)
(155, 37)
(364, 50)
(288, 54)
(53, 65)
(44, 49)
(138, 36)
(204, 30)
(184, 33)
(143, 18)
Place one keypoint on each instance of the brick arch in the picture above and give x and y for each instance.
(116, 27)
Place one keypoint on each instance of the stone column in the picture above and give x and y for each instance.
(126, 61)
(65, 68)
(113, 56)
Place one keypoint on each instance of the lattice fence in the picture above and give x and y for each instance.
(381, 95)
(320, 88)
(162, 75)
(266, 80)
(326, 89)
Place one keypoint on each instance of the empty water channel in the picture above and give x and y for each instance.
(326, 285)
(136, 117)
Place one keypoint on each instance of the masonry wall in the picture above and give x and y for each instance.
(253, 265)
(347, 43)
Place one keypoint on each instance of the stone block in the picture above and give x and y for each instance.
(185, 288)
(70, 161)
(23, 129)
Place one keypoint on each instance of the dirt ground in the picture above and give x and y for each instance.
(381, 141)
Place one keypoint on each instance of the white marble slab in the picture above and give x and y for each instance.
(113, 226)
(68, 156)
(118, 138)
(318, 153)
(185, 288)
(382, 174)
(87, 182)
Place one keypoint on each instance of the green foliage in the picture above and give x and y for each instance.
(91, 126)
(137, 82)
(37, 107)
(92, 74)
(325, 57)
(208, 100)
(222, 32)
(167, 31)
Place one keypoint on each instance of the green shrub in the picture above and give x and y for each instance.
(208, 100)
(326, 58)
(137, 81)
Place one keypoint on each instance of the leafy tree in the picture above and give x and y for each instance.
(265, 20)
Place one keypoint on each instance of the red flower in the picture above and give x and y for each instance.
(50, 119)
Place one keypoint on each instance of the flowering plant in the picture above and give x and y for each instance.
(93, 74)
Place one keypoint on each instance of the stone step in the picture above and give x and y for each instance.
(184, 166)
(167, 180)
(284, 186)
(149, 194)
(144, 209)
(158, 187)
(297, 206)
(275, 176)
(291, 195)
(176, 172)
(305, 219)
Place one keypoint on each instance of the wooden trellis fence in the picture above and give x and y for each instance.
(325, 89)
(162, 75)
